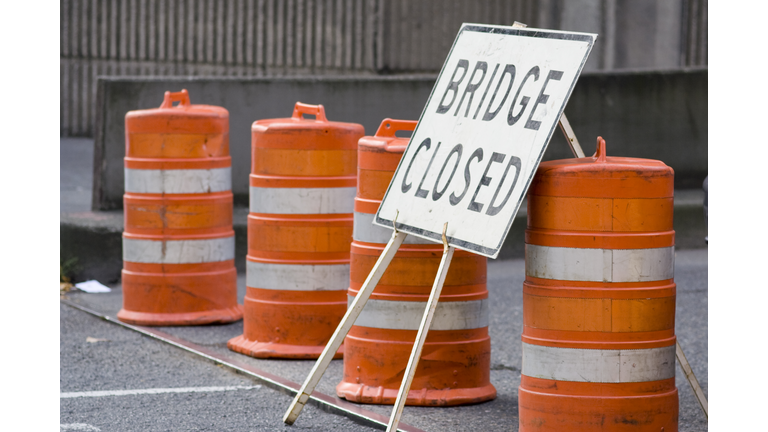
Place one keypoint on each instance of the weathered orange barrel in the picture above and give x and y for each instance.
(599, 297)
(454, 368)
(178, 243)
(302, 188)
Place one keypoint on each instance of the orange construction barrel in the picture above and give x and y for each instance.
(302, 189)
(454, 368)
(178, 243)
(599, 297)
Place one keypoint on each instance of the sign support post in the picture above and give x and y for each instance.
(421, 336)
(353, 311)
(697, 391)
(570, 136)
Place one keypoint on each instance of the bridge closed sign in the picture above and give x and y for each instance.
(483, 133)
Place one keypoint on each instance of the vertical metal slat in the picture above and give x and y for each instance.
(318, 42)
(162, 27)
(270, 34)
(260, 38)
(290, 32)
(218, 34)
(152, 23)
(280, 34)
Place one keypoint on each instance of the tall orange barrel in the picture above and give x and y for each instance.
(302, 189)
(599, 297)
(178, 243)
(454, 368)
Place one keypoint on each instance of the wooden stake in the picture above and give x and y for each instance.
(421, 336)
(570, 136)
(692, 379)
(344, 326)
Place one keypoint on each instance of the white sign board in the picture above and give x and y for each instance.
(482, 134)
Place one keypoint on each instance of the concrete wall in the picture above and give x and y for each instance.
(341, 37)
(656, 115)
(366, 101)
(653, 115)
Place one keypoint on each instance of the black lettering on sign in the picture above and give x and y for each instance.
(485, 93)
(552, 75)
(453, 199)
(453, 85)
(509, 69)
(494, 210)
(512, 119)
(405, 187)
(472, 87)
(422, 193)
(457, 149)
(484, 181)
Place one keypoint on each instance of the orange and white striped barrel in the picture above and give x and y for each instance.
(599, 297)
(178, 243)
(454, 368)
(302, 189)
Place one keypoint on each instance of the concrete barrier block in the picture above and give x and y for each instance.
(648, 114)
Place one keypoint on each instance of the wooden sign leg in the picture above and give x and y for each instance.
(692, 379)
(570, 136)
(421, 336)
(344, 326)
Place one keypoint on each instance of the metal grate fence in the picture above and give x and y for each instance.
(340, 37)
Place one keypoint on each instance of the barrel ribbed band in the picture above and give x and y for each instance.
(178, 251)
(302, 200)
(296, 277)
(600, 265)
(180, 181)
(406, 315)
(366, 231)
(600, 366)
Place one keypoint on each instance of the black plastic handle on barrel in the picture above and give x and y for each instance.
(317, 110)
(181, 97)
(389, 127)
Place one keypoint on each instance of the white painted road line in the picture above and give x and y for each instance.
(78, 427)
(154, 391)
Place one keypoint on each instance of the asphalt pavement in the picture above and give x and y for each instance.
(149, 385)
(99, 356)
(118, 359)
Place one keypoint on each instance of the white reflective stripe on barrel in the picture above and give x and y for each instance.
(297, 277)
(302, 200)
(365, 230)
(405, 315)
(600, 265)
(178, 181)
(179, 251)
(602, 366)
